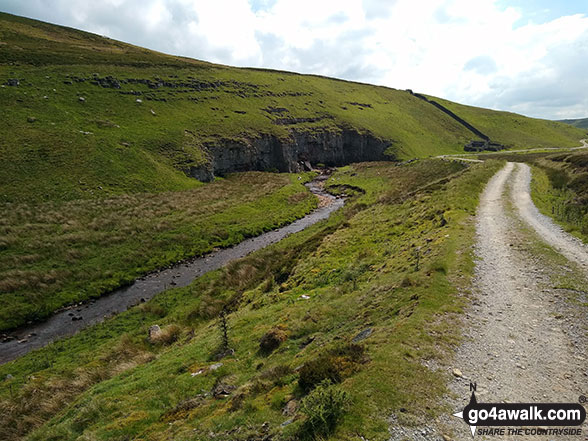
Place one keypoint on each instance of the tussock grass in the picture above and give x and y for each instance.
(53, 254)
(559, 188)
(350, 271)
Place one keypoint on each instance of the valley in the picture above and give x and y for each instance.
(194, 251)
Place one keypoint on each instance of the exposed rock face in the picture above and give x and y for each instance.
(292, 155)
(479, 146)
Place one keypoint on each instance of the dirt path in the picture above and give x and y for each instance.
(569, 246)
(525, 340)
(584, 145)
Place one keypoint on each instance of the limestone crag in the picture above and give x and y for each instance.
(297, 153)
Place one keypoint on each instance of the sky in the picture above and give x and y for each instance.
(524, 56)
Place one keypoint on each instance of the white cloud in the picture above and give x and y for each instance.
(469, 51)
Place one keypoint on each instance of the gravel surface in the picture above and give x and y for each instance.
(571, 247)
(524, 339)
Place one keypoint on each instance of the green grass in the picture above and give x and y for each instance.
(559, 188)
(56, 253)
(581, 123)
(110, 144)
(517, 131)
(94, 192)
(358, 270)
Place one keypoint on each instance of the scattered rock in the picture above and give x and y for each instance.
(226, 353)
(273, 110)
(154, 332)
(222, 390)
(215, 366)
(82, 99)
(153, 112)
(12, 82)
(306, 342)
(290, 408)
(108, 81)
(139, 100)
(31, 119)
(362, 335)
(457, 373)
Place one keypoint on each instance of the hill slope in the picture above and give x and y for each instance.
(515, 130)
(581, 123)
(86, 116)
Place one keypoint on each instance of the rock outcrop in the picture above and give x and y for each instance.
(296, 153)
(479, 146)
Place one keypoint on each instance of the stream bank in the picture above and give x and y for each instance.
(69, 321)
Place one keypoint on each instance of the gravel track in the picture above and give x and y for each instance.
(571, 247)
(525, 341)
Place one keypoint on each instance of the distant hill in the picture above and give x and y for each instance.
(87, 116)
(581, 123)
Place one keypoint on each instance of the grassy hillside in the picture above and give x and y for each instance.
(390, 264)
(91, 117)
(517, 131)
(54, 254)
(97, 141)
(581, 123)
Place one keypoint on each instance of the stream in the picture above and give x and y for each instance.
(69, 321)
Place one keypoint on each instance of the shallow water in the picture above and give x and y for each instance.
(70, 321)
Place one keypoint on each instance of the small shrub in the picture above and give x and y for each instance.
(316, 371)
(280, 375)
(154, 309)
(271, 340)
(438, 266)
(324, 407)
(167, 335)
(406, 282)
(333, 366)
(558, 178)
(208, 307)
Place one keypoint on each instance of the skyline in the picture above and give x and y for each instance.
(523, 56)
